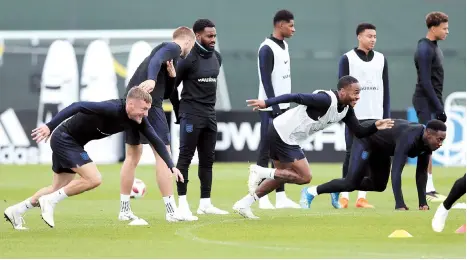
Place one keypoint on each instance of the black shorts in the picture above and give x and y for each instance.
(66, 152)
(158, 121)
(280, 151)
(425, 111)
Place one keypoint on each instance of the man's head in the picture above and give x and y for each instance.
(366, 35)
(435, 133)
(437, 23)
(284, 24)
(205, 32)
(185, 38)
(138, 102)
(348, 90)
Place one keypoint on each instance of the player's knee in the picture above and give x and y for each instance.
(133, 154)
(95, 181)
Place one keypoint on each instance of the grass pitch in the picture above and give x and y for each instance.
(87, 225)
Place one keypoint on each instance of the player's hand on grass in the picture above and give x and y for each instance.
(424, 207)
(148, 85)
(171, 69)
(384, 124)
(256, 103)
(41, 133)
(178, 175)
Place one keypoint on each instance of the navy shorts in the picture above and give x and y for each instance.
(158, 121)
(66, 152)
(280, 151)
(425, 112)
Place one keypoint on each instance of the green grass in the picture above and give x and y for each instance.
(87, 225)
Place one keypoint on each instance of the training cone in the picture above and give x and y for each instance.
(461, 230)
(400, 233)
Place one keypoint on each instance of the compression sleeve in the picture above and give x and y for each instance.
(421, 177)
(399, 160)
(319, 100)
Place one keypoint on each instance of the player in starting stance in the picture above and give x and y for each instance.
(90, 121)
(371, 156)
(315, 112)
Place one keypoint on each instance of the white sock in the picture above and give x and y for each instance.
(125, 203)
(182, 202)
(58, 195)
(248, 200)
(266, 173)
(205, 202)
(430, 186)
(361, 194)
(169, 204)
(345, 195)
(312, 190)
(280, 196)
(24, 206)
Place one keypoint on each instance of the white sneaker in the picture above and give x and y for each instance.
(47, 209)
(439, 219)
(185, 213)
(127, 215)
(244, 211)
(264, 203)
(174, 217)
(254, 179)
(287, 204)
(14, 217)
(211, 210)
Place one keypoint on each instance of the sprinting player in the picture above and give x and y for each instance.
(274, 79)
(90, 121)
(371, 69)
(370, 161)
(197, 115)
(155, 74)
(315, 112)
(457, 191)
(428, 96)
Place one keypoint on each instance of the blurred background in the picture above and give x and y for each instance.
(92, 60)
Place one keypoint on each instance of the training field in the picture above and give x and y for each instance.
(86, 226)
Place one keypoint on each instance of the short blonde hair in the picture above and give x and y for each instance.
(138, 93)
(182, 32)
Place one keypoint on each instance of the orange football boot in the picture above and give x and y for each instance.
(363, 203)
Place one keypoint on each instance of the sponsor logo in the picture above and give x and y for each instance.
(207, 80)
(15, 147)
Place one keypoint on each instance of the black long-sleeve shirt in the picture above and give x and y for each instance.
(317, 106)
(404, 139)
(428, 60)
(97, 120)
(199, 72)
(344, 71)
(266, 66)
(154, 67)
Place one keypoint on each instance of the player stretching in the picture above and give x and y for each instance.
(371, 69)
(90, 121)
(457, 191)
(274, 75)
(428, 96)
(197, 115)
(316, 112)
(154, 74)
(370, 161)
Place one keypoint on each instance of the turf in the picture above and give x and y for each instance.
(87, 225)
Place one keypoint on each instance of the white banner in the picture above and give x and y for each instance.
(59, 87)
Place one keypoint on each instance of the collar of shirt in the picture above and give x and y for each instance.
(279, 42)
(363, 56)
(203, 51)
